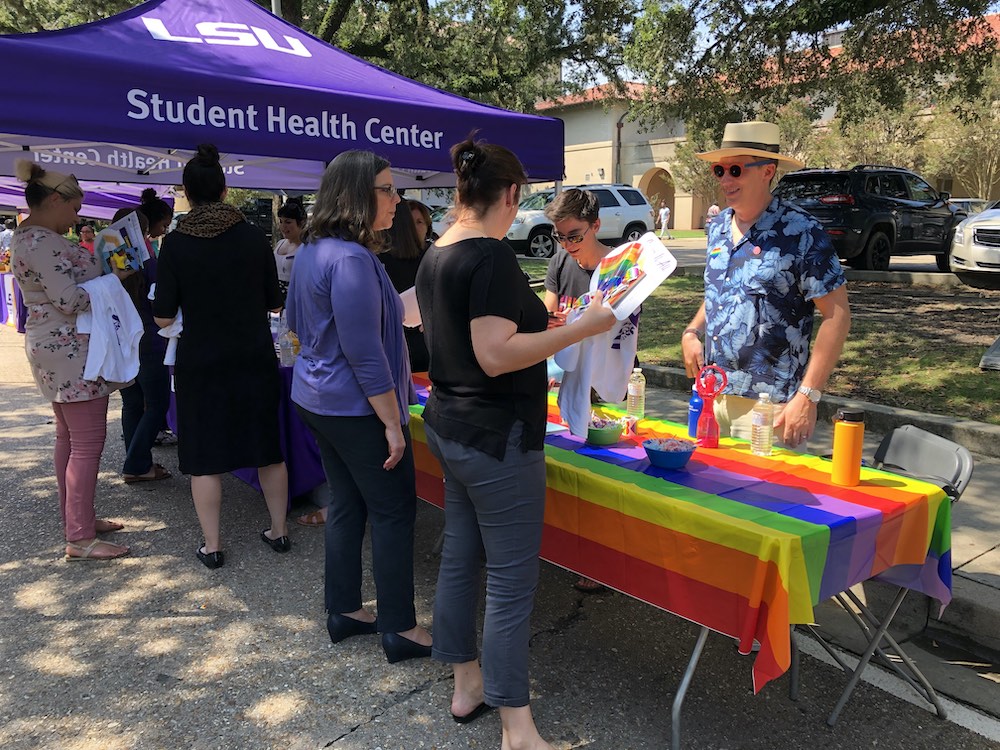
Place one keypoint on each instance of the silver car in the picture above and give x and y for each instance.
(976, 246)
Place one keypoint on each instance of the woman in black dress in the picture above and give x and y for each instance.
(218, 270)
(401, 260)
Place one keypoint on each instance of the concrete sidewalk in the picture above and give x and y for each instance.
(154, 651)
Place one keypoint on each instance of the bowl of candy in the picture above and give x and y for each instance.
(668, 453)
(604, 430)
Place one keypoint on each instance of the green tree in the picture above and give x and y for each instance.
(896, 136)
(966, 140)
(734, 59)
(22, 16)
(692, 174)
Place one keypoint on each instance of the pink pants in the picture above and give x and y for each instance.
(81, 428)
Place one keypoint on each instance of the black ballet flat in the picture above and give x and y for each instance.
(341, 626)
(472, 715)
(397, 648)
(211, 560)
(281, 544)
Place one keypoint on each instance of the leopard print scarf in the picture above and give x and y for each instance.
(210, 220)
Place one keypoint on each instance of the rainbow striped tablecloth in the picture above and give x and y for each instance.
(744, 545)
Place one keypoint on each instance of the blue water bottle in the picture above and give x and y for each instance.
(694, 411)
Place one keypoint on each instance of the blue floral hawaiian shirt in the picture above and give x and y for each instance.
(758, 298)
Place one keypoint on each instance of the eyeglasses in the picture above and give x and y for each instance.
(571, 239)
(387, 189)
(736, 170)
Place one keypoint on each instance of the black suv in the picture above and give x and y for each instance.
(873, 212)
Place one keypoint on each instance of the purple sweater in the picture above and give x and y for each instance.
(349, 320)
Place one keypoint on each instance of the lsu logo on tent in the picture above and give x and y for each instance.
(231, 34)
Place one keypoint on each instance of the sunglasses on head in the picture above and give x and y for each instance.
(735, 170)
(571, 239)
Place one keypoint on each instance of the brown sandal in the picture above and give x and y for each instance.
(92, 551)
(159, 472)
(311, 519)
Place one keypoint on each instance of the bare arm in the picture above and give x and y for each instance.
(499, 348)
(799, 417)
(164, 322)
(691, 347)
(551, 301)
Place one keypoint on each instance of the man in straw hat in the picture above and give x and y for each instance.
(769, 266)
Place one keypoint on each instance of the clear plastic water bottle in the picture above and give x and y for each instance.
(762, 426)
(695, 405)
(636, 404)
(286, 344)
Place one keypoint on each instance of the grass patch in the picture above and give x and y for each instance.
(908, 347)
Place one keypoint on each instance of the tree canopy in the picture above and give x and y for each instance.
(712, 62)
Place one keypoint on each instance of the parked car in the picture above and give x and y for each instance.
(976, 247)
(625, 215)
(873, 212)
(969, 206)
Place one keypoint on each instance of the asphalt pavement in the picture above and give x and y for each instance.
(155, 651)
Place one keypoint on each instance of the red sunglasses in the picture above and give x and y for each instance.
(736, 170)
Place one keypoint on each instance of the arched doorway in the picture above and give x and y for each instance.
(657, 185)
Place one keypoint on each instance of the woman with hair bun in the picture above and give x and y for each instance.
(486, 331)
(292, 219)
(218, 269)
(50, 270)
(145, 402)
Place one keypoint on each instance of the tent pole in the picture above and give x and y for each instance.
(276, 7)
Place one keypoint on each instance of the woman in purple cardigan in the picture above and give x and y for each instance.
(352, 387)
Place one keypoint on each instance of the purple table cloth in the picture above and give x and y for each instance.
(305, 469)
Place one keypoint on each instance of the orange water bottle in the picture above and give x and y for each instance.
(848, 444)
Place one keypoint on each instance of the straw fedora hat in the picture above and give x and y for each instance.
(756, 138)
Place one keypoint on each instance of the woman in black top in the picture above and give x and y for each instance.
(218, 269)
(485, 422)
(401, 261)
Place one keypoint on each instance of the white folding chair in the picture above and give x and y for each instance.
(912, 452)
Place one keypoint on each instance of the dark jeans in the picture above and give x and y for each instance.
(144, 411)
(353, 450)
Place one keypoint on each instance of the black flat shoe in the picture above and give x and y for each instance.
(211, 560)
(281, 544)
(472, 715)
(341, 626)
(397, 648)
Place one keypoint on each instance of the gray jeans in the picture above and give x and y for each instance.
(497, 507)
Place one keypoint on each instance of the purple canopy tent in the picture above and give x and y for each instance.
(174, 73)
(100, 200)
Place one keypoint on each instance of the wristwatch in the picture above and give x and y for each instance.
(813, 394)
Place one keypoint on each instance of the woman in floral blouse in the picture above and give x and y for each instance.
(49, 270)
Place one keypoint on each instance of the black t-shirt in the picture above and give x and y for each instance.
(456, 284)
(567, 279)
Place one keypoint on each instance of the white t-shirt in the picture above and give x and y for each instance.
(284, 261)
(664, 216)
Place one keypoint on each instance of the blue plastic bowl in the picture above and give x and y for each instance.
(666, 459)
